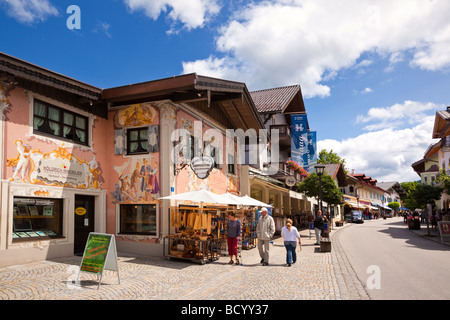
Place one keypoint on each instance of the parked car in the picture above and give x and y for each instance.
(357, 216)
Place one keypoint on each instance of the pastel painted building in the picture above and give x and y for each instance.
(53, 162)
(77, 159)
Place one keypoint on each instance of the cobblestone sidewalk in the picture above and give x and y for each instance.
(316, 276)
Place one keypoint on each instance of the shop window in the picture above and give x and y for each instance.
(37, 218)
(57, 122)
(138, 219)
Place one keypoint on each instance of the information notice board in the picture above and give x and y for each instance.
(99, 254)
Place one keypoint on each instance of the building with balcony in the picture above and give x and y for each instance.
(337, 172)
(437, 156)
(278, 187)
(363, 193)
(394, 192)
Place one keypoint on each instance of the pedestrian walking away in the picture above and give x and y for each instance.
(318, 226)
(291, 237)
(265, 229)
(233, 232)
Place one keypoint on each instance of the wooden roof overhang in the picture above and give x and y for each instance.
(441, 124)
(227, 101)
(287, 100)
(31, 77)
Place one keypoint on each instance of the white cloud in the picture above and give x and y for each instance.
(30, 11)
(395, 58)
(191, 14)
(364, 63)
(401, 114)
(386, 154)
(103, 27)
(281, 42)
(366, 91)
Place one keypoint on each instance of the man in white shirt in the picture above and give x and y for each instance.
(265, 230)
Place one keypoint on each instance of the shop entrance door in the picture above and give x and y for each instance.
(84, 216)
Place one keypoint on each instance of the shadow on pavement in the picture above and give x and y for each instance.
(416, 238)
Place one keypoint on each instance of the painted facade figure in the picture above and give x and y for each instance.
(149, 184)
(134, 181)
(21, 161)
(56, 168)
(140, 184)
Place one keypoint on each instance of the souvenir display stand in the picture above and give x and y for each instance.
(196, 236)
(200, 232)
(248, 222)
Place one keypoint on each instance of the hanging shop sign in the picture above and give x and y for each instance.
(290, 181)
(100, 254)
(202, 166)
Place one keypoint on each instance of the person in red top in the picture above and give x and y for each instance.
(233, 233)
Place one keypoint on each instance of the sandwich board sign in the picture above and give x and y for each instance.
(444, 229)
(99, 254)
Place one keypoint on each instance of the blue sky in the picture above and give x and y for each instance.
(373, 73)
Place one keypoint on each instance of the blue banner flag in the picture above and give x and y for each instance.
(299, 139)
(312, 150)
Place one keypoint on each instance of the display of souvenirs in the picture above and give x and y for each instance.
(200, 233)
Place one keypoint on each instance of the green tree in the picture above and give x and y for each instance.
(330, 192)
(425, 194)
(409, 201)
(444, 179)
(394, 205)
(326, 157)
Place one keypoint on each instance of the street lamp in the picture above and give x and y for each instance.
(320, 170)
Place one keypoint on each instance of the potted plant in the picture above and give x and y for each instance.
(339, 223)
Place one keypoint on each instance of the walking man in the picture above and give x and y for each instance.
(265, 230)
(318, 226)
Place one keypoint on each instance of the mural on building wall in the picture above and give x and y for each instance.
(56, 168)
(218, 180)
(135, 115)
(138, 180)
(3, 98)
(137, 175)
(233, 184)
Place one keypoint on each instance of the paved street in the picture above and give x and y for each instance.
(409, 266)
(315, 276)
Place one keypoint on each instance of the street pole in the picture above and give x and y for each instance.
(320, 170)
(320, 193)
